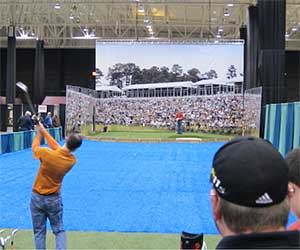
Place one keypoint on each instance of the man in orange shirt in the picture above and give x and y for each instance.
(46, 201)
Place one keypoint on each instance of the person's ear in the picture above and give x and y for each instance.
(291, 189)
(215, 204)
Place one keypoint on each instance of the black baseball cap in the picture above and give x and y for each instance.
(249, 171)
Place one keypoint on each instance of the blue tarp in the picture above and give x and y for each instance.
(125, 187)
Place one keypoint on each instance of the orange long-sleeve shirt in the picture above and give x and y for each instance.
(55, 163)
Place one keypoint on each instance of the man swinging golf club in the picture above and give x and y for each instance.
(46, 201)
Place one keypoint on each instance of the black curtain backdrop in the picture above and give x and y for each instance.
(39, 73)
(252, 48)
(272, 50)
(11, 66)
(292, 78)
(243, 36)
(3, 117)
(62, 67)
(17, 114)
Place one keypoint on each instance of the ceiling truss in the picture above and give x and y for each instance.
(78, 23)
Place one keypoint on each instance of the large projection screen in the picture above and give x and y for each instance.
(148, 82)
(127, 63)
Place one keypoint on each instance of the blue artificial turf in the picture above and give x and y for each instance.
(123, 187)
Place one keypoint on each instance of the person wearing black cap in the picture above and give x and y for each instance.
(249, 196)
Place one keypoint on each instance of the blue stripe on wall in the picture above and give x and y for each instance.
(282, 126)
(276, 133)
(271, 126)
(8, 140)
(289, 133)
(296, 140)
(267, 123)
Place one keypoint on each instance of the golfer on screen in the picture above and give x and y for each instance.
(46, 199)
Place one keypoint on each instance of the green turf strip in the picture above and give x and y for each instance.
(139, 132)
(99, 240)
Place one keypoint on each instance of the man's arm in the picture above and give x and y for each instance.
(50, 140)
(36, 145)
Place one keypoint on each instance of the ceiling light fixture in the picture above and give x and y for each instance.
(226, 13)
(294, 29)
(141, 9)
(56, 5)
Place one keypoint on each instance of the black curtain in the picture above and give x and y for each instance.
(17, 114)
(252, 48)
(243, 36)
(62, 117)
(11, 66)
(272, 50)
(39, 73)
(3, 117)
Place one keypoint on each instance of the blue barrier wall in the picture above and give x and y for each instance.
(11, 142)
(282, 126)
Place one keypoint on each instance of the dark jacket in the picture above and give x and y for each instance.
(24, 123)
(273, 240)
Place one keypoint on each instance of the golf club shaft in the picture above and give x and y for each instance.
(29, 103)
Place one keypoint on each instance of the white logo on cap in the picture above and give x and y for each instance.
(264, 199)
(218, 186)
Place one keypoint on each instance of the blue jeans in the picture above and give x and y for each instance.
(51, 207)
(179, 127)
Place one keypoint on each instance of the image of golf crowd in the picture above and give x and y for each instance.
(164, 145)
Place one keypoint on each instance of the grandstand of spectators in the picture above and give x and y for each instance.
(221, 113)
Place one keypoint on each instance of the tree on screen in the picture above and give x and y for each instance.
(194, 75)
(231, 72)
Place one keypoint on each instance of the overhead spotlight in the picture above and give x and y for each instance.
(71, 17)
(230, 4)
(294, 29)
(86, 29)
(218, 36)
(287, 35)
(226, 13)
(56, 5)
(141, 9)
(221, 29)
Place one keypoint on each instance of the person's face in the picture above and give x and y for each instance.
(294, 194)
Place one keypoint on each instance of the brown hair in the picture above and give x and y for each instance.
(73, 142)
(240, 218)
(293, 161)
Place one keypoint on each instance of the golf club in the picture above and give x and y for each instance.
(24, 88)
